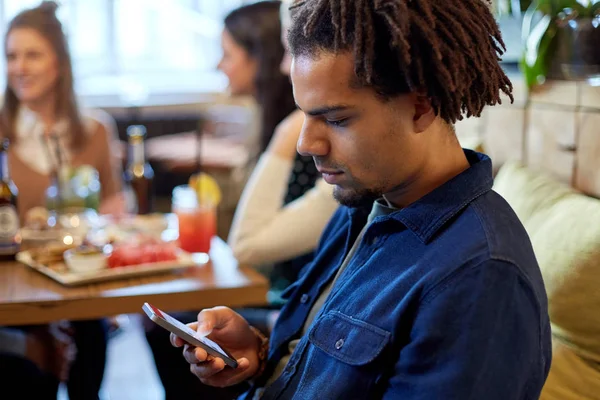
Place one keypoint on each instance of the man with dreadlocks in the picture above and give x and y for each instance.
(424, 285)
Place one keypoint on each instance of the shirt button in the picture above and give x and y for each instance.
(304, 298)
(339, 344)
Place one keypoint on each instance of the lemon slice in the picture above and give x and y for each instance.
(207, 189)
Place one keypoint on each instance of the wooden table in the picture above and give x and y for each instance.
(28, 297)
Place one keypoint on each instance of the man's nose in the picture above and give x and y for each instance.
(313, 140)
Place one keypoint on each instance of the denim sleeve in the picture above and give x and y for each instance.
(13, 341)
(481, 334)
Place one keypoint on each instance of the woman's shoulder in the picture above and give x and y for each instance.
(98, 122)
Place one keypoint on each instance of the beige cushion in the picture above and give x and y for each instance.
(571, 376)
(564, 227)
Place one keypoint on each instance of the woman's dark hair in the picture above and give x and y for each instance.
(448, 49)
(43, 20)
(257, 28)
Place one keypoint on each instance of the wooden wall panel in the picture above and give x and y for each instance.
(550, 142)
(502, 133)
(556, 129)
(587, 175)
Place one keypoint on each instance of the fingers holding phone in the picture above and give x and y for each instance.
(176, 341)
(201, 362)
(214, 372)
(227, 356)
(233, 332)
(194, 355)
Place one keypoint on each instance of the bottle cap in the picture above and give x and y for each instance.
(136, 130)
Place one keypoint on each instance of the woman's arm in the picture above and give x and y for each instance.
(110, 170)
(264, 230)
(263, 234)
(109, 165)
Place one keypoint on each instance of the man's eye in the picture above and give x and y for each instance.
(338, 122)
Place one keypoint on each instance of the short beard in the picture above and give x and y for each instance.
(356, 199)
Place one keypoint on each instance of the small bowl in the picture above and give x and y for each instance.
(85, 260)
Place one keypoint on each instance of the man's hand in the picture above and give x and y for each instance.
(231, 331)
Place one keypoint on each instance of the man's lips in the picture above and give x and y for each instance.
(328, 171)
(331, 176)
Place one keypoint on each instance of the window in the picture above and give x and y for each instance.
(136, 47)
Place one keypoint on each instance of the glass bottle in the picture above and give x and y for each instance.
(10, 235)
(139, 174)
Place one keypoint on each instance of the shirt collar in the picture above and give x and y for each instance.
(34, 148)
(426, 216)
(29, 124)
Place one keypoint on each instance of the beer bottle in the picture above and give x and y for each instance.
(10, 235)
(139, 174)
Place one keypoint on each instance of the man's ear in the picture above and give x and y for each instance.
(424, 113)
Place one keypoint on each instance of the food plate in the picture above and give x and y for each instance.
(37, 235)
(123, 230)
(60, 273)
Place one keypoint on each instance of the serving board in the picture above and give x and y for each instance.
(60, 273)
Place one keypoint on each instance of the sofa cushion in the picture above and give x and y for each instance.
(564, 227)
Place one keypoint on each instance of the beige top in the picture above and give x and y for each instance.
(260, 233)
(96, 152)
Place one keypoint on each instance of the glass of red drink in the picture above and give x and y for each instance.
(197, 222)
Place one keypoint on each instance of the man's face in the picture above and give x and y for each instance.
(364, 145)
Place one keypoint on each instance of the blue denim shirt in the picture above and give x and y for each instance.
(443, 300)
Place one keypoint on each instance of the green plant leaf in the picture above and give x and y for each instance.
(525, 4)
(554, 7)
(540, 40)
(535, 61)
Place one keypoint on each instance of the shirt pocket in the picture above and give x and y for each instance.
(348, 339)
(343, 359)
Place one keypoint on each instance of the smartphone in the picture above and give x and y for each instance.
(186, 333)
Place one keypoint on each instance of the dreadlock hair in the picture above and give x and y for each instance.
(448, 50)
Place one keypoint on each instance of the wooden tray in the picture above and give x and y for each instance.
(61, 274)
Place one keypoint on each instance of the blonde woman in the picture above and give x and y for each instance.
(41, 118)
(40, 113)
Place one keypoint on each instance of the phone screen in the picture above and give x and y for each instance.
(187, 329)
